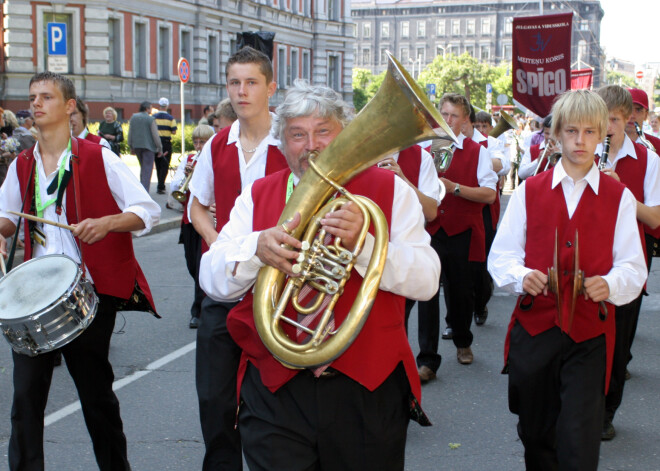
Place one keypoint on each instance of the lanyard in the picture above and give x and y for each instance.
(289, 187)
(37, 193)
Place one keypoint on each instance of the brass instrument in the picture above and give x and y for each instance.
(643, 138)
(551, 160)
(442, 154)
(180, 194)
(505, 123)
(606, 152)
(397, 117)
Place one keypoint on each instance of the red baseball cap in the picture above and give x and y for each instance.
(639, 97)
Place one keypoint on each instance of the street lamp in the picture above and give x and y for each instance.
(413, 61)
(444, 50)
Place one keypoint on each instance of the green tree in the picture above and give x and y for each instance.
(365, 86)
(614, 77)
(466, 75)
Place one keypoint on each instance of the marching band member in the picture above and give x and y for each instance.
(288, 418)
(457, 235)
(529, 162)
(639, 170)
(558, 364)
(232, 159)
(191, 240)
(79, 125)
(109, 204)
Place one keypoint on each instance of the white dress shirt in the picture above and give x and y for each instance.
(652, 177)
(201, 184)
(506, 262)
(412, 267)
(486, 176)
(428, 183)
(495, 149)
(527, 165)
(102, 142)
(129, 194)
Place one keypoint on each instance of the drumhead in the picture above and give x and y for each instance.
(35, 285)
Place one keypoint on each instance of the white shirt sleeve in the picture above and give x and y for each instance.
(179, 175)
(10, 194)
(485, 174)
(412, 268)
(496, 150)
(506, 262)
(527, 166)
(652, 180)
(429, 184)
(105, 143)
(201, 183)
(129, 194)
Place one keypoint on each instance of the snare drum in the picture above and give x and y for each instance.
(45, 303)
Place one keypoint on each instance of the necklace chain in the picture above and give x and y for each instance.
(250, 151)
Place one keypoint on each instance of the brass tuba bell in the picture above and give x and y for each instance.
(398, 116)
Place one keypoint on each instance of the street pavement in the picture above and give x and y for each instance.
(472, 428)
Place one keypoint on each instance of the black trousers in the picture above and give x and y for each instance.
(324, 423)
(192, 250)
(481, 279)
(87, 361)
(626, 320)
(556, 387)
(163, 163)
(459, 298)
(217, 359)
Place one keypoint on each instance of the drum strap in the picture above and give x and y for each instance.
(12, 252)
(75, 160)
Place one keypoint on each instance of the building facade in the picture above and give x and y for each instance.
(416, 31)
(123, 52)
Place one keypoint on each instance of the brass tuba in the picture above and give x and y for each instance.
(398, 116)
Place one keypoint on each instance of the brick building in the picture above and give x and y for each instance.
(418, 30)
(125, 51)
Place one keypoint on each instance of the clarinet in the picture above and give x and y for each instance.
(606, 152)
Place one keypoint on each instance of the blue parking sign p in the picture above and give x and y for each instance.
(56, 39)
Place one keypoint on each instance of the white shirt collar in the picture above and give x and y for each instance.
(628, 148)
(235, 129)
(459, 141)
(37, 156)
(592, 177)
(478, 137)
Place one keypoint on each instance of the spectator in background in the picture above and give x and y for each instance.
(8, 148)
(166, 129)
(29, 123)
(225, 115)
(22, 132)
(144, 142)
(10, 123)
(207, 111)
(110, 129)
(79, 124)
(655, 125)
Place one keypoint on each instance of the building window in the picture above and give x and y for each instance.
(186, 46)
(470, 26)
(485, 53)
(508, 25)
(421, 29)
(440, 51)
(114, 46)
(456, 27)
(232, 46)
(485, 26)
(140, 50)
(405, 29)
(507, 52)
(164, 52)
(366, 30)
(453, 49)
(333, 72)
(305, 64)
(582, 51)
(421, 55)
(470, 50)
(294, 66)
(584, 25)
(306, 4)
(57, 62)
(440, 28)
(404, 54)
(333, 9)
(385, 30)
(383, 55)
(366, 56)
(281, 68)
(214, 60)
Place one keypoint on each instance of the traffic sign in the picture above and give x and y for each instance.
(639, 75)
(430, 88)
(502, 99)
(56, 39)
(489, 88)
(184, 70)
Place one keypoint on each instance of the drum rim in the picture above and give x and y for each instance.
(63, 297)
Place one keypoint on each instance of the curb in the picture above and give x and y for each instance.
(165, 225)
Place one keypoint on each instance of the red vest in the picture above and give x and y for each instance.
(495, 207)
(631, 173)
(654, 141)
(93, 138)
(595, 221)
(410, 161)
(535, 151)
(640, 148)
(111, 261)
(381, 345)
(457, 215)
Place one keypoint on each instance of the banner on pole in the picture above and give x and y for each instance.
(541, 47)
(582, 78)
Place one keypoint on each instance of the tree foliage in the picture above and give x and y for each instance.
(365, 86)
(615, 77)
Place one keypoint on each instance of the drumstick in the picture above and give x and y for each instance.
(45, 221)
(2, 264)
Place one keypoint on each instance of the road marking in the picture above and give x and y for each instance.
(150, 368)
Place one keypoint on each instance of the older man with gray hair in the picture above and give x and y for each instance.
(329, 419)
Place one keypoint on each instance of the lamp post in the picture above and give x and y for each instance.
(413, 66)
